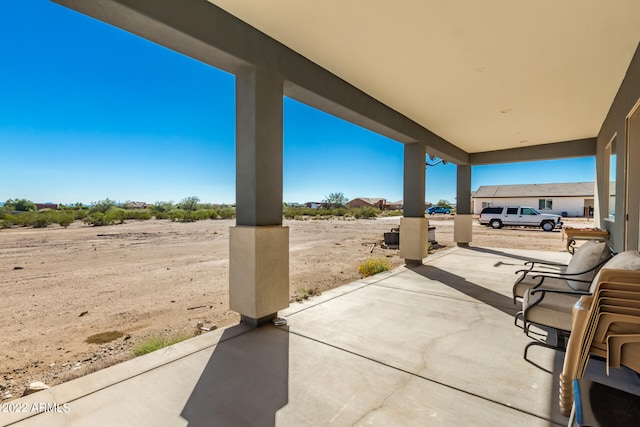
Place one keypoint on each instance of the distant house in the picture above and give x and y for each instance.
(574, 199)
(40, 206)
(136, 205)
(367, 202)
(395, 206)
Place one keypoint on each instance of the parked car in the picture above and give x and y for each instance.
(438, 210)
(496, 217)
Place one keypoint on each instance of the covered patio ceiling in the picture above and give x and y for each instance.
(482, 75)
(477, 82)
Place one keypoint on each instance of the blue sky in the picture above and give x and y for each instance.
(88, 111)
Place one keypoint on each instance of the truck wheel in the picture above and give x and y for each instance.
(548, 226)
(495, 223)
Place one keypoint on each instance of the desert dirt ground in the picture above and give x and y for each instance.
(159, 278)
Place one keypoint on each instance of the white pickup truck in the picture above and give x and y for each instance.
(525, 216)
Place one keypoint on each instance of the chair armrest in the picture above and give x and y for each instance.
(553, 264)
(559, 291)
(549, 273)
(532, 265)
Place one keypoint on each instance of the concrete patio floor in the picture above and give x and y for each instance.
(432, 345)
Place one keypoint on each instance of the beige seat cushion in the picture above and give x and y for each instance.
(553, 311)
(587, 256)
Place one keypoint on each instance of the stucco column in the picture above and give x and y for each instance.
(414, 227)
(463, 222)
(258, 244)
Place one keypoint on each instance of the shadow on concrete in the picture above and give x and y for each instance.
(461, 284)
(504, 304)
(507, 255)
(245, 382)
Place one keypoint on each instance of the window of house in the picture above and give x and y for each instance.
(545, 204)
(610, 175)
(486, 204)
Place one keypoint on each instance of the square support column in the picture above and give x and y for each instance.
(414, 227)
(414, 239)
(463, 222)
(259, 245)
(259, 147)
(258, 271)
(463, 229)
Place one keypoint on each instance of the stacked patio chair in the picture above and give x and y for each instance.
(605, 324)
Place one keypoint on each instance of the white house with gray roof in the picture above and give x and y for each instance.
(575, 199)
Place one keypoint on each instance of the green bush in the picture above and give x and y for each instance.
(24, 219)
(360, 213)
(143, 214)
(105, 212)
(227, 213)
(290, 212)
(156, 343)
(102, 206)
(8, 220)
(98, 219)
(116, 215)
(43, 219)
(22, 205)
(176, 215)
(161, 210)
(212, 213)
(80, 213)
(189, 204)
(373, 266)
(65, 219)
(202, 214)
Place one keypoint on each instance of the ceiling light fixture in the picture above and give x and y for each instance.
(432, 158)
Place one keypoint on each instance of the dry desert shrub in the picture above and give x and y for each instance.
(373, 266)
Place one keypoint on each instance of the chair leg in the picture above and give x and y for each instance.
(565, 394)
(541, 344)
(526, 348)
(562, 338)
(515, 319)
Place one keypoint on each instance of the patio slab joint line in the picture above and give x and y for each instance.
(424, 377)
(364, 285)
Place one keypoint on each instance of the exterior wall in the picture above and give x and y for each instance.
(622, 236)
(315, 205)
(40, 206)
(573, 206)
(359, 203)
